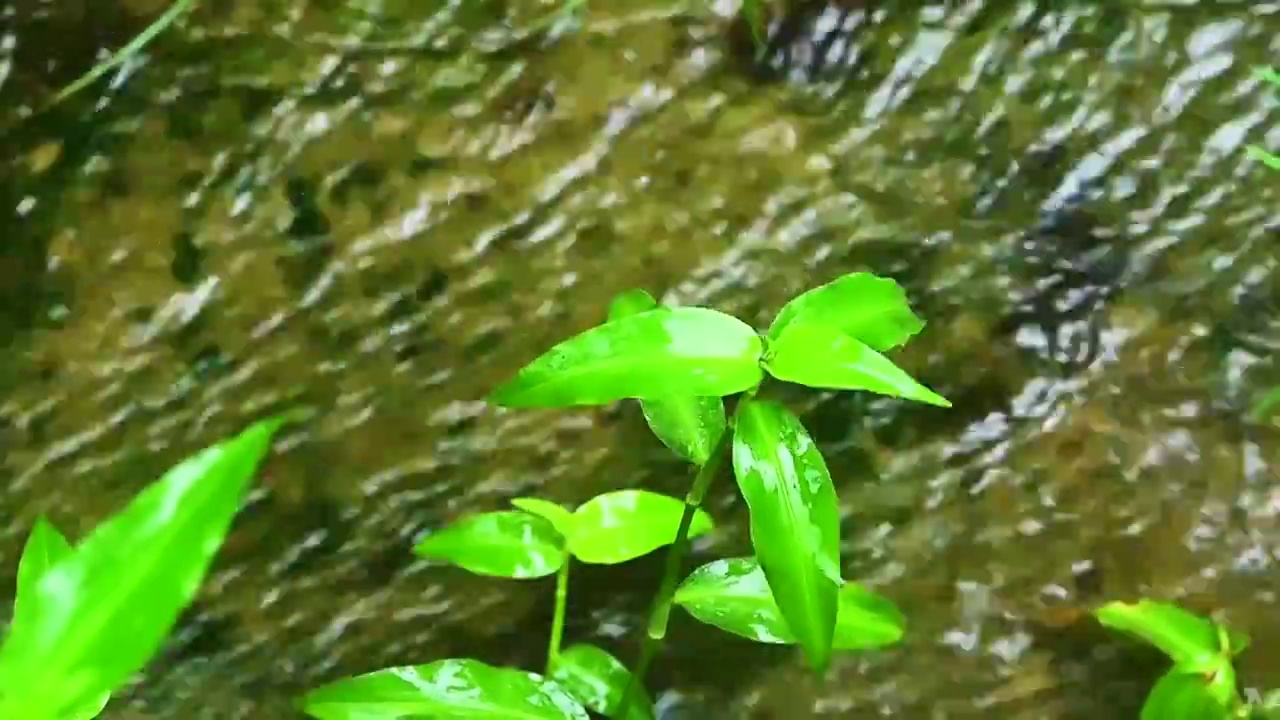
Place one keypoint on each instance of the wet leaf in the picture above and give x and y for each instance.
(658, 354)
(498, 544)
(97, 615)
(795, 520)
(443, 690)
(733, 595)
(597, 680)
(619, 526)
(1189, 640)
(871, 309)
(1183, 696)
(560, 518)
(690, 426)
(45, 546)
(822, 357)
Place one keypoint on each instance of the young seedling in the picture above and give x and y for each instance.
(1201, 685)
(679, 362)
(87, 617)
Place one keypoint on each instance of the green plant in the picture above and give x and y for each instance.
(1270, 400)
(132, 48)
(88, 616)
(1201, 685)
(1256, 152)
(679, 362)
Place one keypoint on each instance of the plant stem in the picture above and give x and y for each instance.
(134, 46)
(661, 609)
(557, 620)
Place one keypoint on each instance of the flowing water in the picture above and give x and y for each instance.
(382, 208)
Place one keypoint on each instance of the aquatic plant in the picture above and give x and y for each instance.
(1201, 685)
(680, 363)
(87, 616)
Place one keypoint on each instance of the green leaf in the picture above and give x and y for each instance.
(657, 354)
(1189, 640)
(554, 513)
(1270, 705)
(733, 595)
(619, 526)
(822, 357)
(1222, 684)
(1258, 153)
(1269, 402)
(1183, 696)
(690, 426)
(101, 612)
(795, 520)
(89, 711)
(443, 690)
(1232, 642)
(597, 680)
(631, 302)
(46, 546)
(871, 309)
(498, 544)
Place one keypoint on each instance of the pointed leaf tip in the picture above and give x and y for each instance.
(657, 354)
(510, 544)
(823, 357)
(869, 308)
(795, 521)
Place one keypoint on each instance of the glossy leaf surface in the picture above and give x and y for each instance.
(690, 425)
(733, 595)
(498, 544)
(823, 357)
(560, 518)
(871, 309)
(597, 680)
(795, 520)
(444, 690)
(618, 526)
(658, 354)
(101, 612)
(1183, 696)
(46, 546)
(1192, 642)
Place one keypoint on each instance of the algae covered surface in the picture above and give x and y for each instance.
(381, 210)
